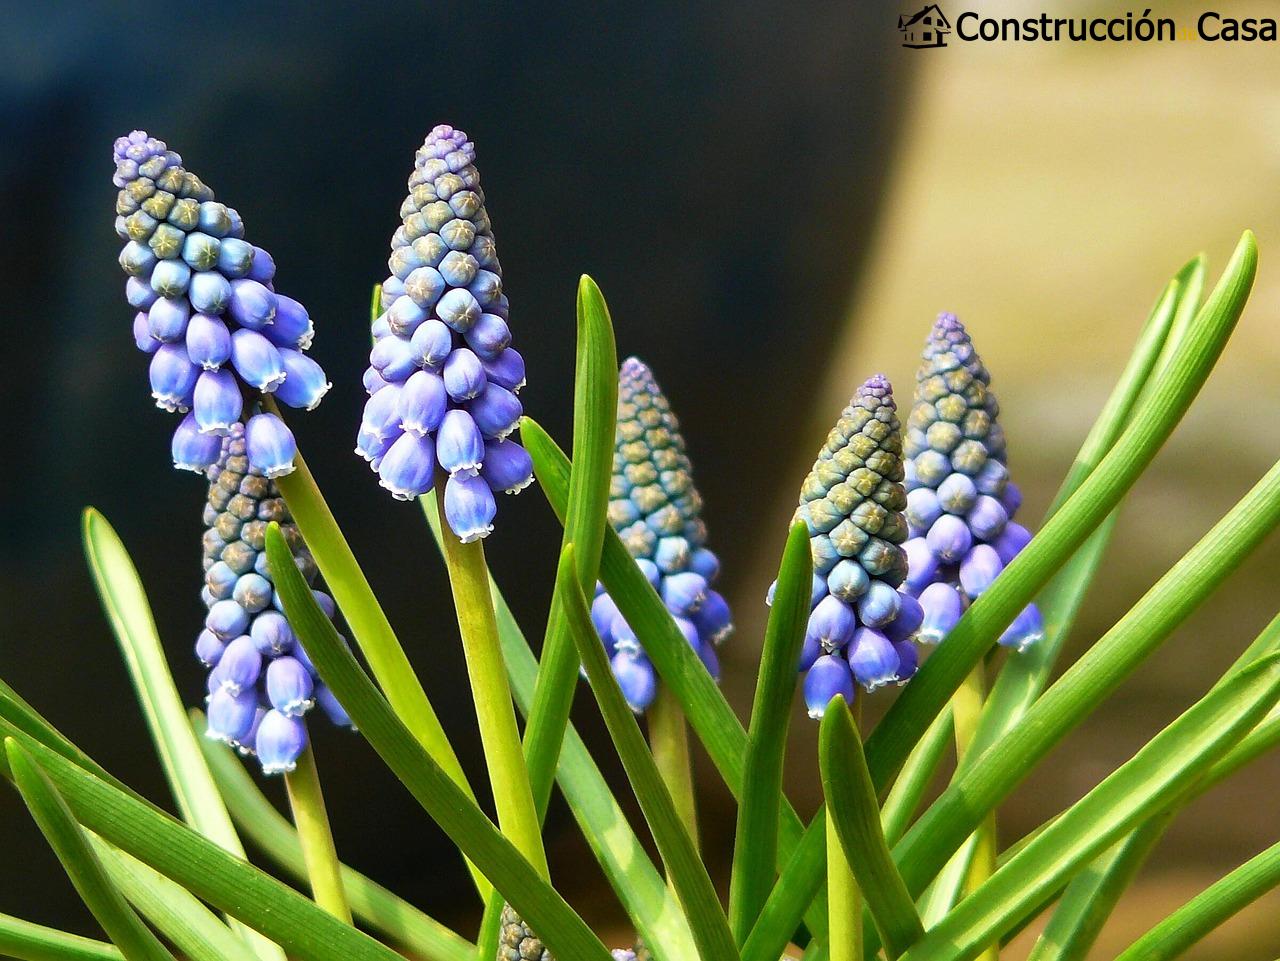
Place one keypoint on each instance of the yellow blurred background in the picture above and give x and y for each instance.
(1045, 193)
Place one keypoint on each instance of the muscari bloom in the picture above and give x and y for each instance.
(518, 943)
(656, 510)
(960, 501)
(442, 377)
(861, 627)
(261, 682)
(207, 312)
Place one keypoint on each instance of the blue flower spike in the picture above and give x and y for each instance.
(261, 683)
(208, 312)
(657, 513)
(960, 500)
(442, 377)
(861, 630)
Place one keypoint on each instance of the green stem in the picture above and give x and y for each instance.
(966, 707)
(318, 850)
(34, 942)
(844, 901)
(504, 755)
(669, 741)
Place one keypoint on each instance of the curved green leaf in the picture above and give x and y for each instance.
(126, 930)
(125, 602)
(1157, 774)
(1211, 907)
(685, 869)
(755, 847)
(852, 808)
(217, 877)
(34, 942)
(384, 912)
(496, 857)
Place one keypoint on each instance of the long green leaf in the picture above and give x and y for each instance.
(1164, 767)
(852, 807)
(217, 877)
(632, 875)
(369, 624)
(685, 869)
(1152, 423)
(799, 884)
(125, 602)
(475, 835)
(917, 774)
(595, 403)
(679, 666)
(1211, 907)
(380, 909)
(56, 822)
(1023, 678)
(755, 847)
(35, 942)
(983, 784)
(174, 911)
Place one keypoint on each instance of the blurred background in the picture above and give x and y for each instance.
(776, 199)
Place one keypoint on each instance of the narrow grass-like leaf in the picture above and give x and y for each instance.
(1164, 767)
(496, 857)
(56, 822)
(989, 779)
(125, 603)
(1023, 678)
(217, 877)
(21, 716)
(267, 829)
(369, 625)
(685, 869)
(755, 847)
(717, 727)
(35, 942)
(797, 887)
(915, 777)
(852, 807)
(635, 880)
(595, 405)
(1152, 423)
(1211, 907)
(174, 911)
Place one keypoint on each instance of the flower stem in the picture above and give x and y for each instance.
(843, 897)
(669, 741)
(504, 755)
(318, 851)
(967, 709)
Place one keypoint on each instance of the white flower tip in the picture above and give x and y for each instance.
(280, 471)
(280, 767)
(475, 534)
(519, 487)
(315, 401)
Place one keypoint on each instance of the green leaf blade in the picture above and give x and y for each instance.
(756, 842)
(852, 808)
(685, 869)
(56, 822)
(35, 942)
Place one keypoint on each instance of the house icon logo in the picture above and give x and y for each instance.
(927, 28)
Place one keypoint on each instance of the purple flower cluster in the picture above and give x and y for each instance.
(261, 682)
(960, 501)
(657, 513)
(517, 942)
(861, 627)
(207, 312)
(442, 377)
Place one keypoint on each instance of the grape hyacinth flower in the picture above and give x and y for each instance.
(442, 377)
(861, 628)
(656, 510)
(208, 313)
(261, 682)
(960, 501)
